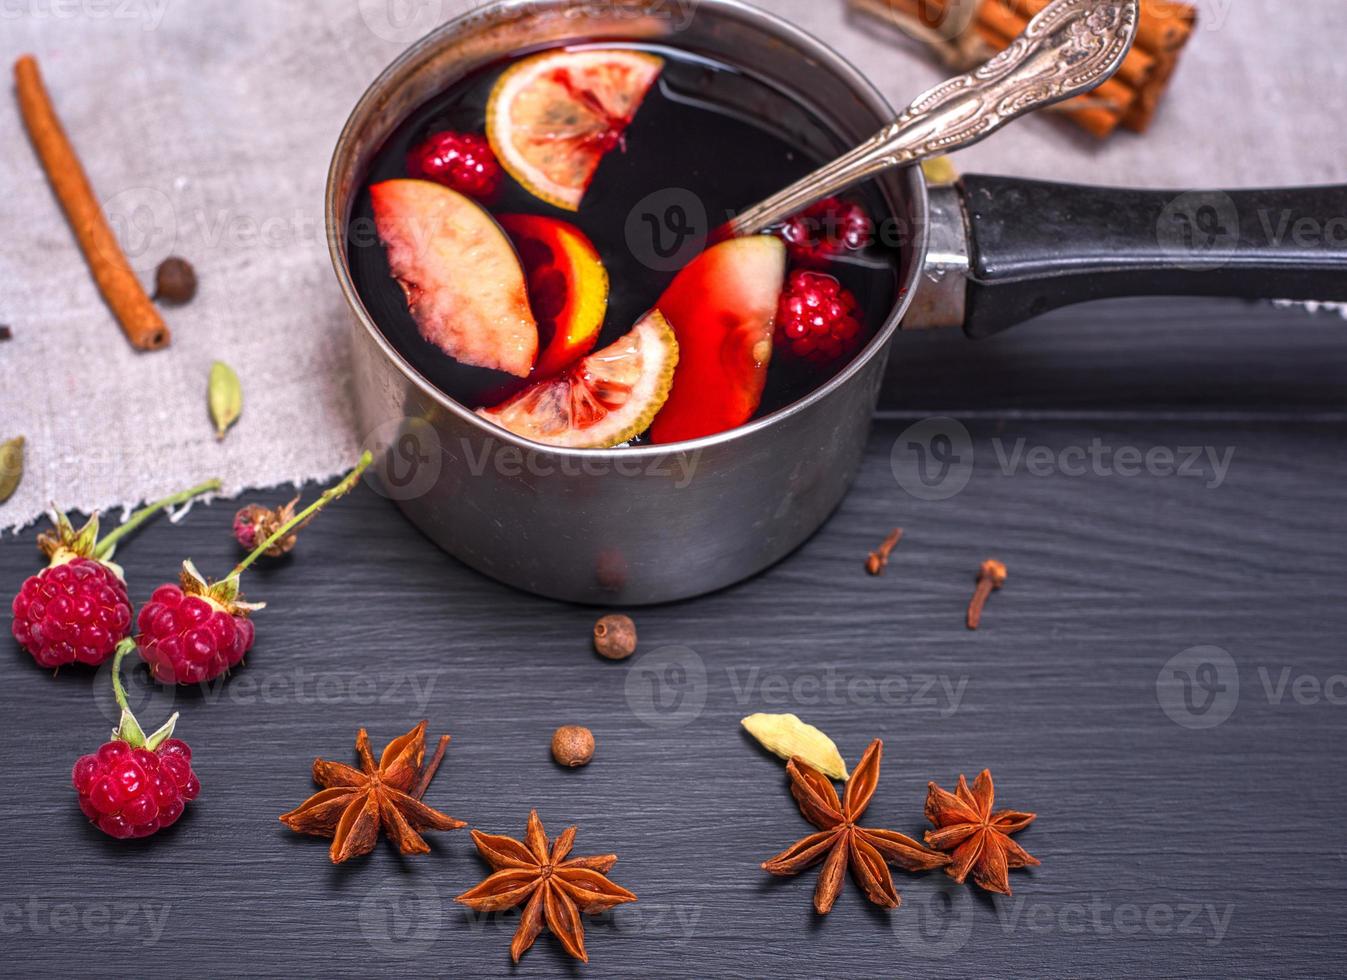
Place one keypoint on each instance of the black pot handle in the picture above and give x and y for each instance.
(1035, 246)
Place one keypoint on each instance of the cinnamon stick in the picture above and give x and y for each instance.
(1165, 25)
(1129, 99)
(921, 21)
(1098, 121)
(1098, 112)
(108, 265)
(1000, 27)
(1139, 117)
(1011, 17)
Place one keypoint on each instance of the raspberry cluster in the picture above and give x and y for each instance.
(187, 639)
(75, 612)
(135, 792)
(463, 162)
(824, 231)
(818, 319)
(78, 610)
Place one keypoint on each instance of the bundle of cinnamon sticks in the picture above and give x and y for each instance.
(966, 32)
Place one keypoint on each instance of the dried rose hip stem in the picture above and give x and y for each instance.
(106, 545)
(197, 630)
(329, 495)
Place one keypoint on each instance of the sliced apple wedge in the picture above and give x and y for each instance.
(604, 400)
(722, 308)
(464, 283)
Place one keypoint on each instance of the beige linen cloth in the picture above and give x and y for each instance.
(206, 127)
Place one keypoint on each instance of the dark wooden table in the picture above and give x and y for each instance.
(1183, 831)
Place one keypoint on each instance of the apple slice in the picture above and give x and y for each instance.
(568, 287)
(722, 308)
(464, 284)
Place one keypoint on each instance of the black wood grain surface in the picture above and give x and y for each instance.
(1190, 831)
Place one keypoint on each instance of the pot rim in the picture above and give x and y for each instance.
(828, 58)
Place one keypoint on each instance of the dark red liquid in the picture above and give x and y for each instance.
(708, 141)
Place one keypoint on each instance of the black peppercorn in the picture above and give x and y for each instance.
(174, 281)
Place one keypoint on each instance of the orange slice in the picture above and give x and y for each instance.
(605, 400)
(568, 287)
(551, 118)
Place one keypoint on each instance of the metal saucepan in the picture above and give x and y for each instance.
(656, 523)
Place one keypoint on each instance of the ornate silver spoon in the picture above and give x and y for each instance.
(1071, 47)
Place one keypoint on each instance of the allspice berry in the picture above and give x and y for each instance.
(174, 281)
(573, 745)
(615, 637)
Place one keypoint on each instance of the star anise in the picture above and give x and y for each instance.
(840, 842)
(557, 889)
(978, 838)
(355, 803)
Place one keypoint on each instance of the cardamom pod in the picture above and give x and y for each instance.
(225, 396)
(11, 467)
(788, 737)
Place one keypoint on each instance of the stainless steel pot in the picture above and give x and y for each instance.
(656, 523)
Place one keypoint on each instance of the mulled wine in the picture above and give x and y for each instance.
(535, 242)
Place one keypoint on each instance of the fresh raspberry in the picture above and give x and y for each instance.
(187, 639)
(825, 230)
(461, 161)
(818, 319)
(76, 611)
(130, 792)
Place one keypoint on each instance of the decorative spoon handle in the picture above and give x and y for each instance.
(1071, 47)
